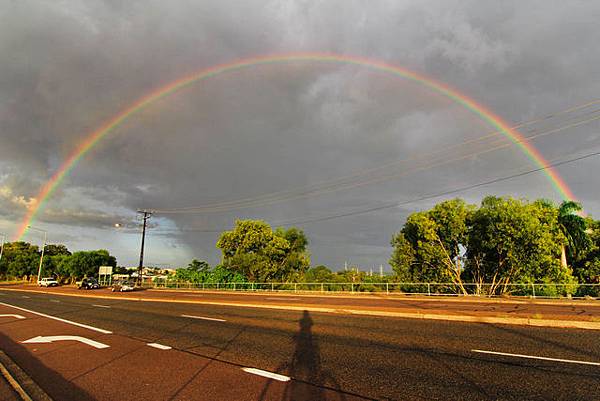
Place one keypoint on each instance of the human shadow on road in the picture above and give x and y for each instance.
(49, 380)
(309, 380)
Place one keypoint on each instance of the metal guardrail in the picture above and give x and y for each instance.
(534, 290)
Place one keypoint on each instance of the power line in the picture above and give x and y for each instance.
(497, 145)
(422, 198)
(437, 195)
(248, 202)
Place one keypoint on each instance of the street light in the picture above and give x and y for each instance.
(43, 247)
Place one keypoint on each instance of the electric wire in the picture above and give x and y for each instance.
(501, 143)
(300, 221)
(245, 201)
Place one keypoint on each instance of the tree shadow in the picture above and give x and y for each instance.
(309, 380)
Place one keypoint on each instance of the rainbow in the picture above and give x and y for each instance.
(441, 88)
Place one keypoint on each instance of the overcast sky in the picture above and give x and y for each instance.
(335, 138)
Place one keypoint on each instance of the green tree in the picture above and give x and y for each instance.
(514, 241)
(574, 229)
(197, 272)
(86, 263)
(318, 274)
(55, 250)
(259, 254)
(428, 248)
(19, 259)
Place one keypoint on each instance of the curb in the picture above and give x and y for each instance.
(20, 381)
(552, 323)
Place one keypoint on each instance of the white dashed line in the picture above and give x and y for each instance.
(55, 301)
(101, 306)
(85, 326)
(543, 358)
(158, 346)
(25, 296)
(264, 373)
(204, 318)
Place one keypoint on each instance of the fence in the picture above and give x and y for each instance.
(534, 290)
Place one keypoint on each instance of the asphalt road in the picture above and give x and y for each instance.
(327, 356)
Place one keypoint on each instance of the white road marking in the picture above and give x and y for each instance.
(101, 306)
(264, 373)
(25, 296)
(159, 346)
(15, 316)
(85, 326)
(543, 358)
(204, 318)
(283, 299)
(55, 300)
(49, 339)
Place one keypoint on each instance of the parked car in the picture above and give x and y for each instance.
(47, 282)
(122, 286)
(88, 284)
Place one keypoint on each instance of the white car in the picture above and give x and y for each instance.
(47, 282)
(122, 286)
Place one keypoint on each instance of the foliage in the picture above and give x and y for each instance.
(428, 247)
(502, 241)
(21, 259)
(255, 251)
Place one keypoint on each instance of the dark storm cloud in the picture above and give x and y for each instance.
(69, 66)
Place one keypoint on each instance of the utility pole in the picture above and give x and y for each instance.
(43, 248)
(145, 216)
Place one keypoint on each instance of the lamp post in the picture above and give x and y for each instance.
(43, 247)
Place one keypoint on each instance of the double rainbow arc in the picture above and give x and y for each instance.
(484, 113)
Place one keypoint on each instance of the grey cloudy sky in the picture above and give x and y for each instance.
(365, 138)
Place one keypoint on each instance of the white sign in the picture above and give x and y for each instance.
(105, 270)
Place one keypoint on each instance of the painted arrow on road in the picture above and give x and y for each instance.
(49, 339)
(15, 316)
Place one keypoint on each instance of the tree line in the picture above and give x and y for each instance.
(500, 242)
(21, 260)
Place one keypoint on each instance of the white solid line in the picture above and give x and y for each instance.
(85, 326)
(15, 316)
(543, 358)
(264, 373)
(101, 306)
(204, 318)
(283, 299)
(159, 346)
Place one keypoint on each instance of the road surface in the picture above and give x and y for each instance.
(216, 352)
